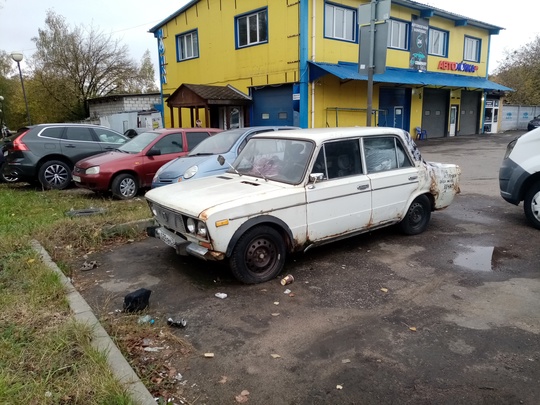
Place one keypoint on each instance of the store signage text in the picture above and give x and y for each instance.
(457, 66)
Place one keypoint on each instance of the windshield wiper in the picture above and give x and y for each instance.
(202, 154)
(120, 150)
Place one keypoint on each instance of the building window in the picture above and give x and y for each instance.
(187, 45)
(252, 29)
(398, 35)
(339, 23)
(471, 50)
(438, 42)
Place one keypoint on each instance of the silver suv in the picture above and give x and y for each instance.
(519, 175)
(46, 153)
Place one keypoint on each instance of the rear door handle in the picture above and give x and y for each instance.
(362, 187)
(69, 146)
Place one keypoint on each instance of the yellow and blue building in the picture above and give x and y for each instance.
(317, 63)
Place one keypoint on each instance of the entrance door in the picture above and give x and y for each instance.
(398, 117)
(453, 119)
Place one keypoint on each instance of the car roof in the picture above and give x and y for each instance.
(320, 135)
(195, 129)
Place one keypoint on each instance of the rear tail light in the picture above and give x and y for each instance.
(18, 144)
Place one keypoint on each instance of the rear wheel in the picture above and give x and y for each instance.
(531, 205)
(417, 217)
(55, 175)
(258, 256)
(124, 186)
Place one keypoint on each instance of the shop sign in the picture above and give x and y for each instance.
(457, 66)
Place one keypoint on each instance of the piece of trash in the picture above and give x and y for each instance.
(137, 300)
(275, 314)
(31, 261)
(223, 379)
(221, 295)
(344, 361)
(291, 295)
(89, 265)
(146, 319)
(243, 397)
(287, 291)
(275, 356)
(384, 289)
(339, 387)
(180, 323)
(153, 349)
(276, 302)
(209, 355)
(288, 279)
(412, 328)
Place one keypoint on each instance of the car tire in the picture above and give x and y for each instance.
(417, 217)
(259, 255)
(125, 186)
(54, 175)
(7, 178)
(531, 205)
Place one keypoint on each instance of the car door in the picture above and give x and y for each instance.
(170, 147)
(393, 177)
(79, 142)
(340, 204)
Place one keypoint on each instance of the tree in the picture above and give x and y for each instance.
(520, 70)
(73, 65)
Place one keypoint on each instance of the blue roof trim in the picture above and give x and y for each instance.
(173, 15)
(349, 71)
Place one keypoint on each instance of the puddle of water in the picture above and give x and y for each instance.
(477, 258)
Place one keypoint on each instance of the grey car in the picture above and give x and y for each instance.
(46, 153)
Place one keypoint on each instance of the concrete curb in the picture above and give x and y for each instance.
(102, 341)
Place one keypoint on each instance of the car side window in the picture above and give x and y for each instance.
(170, 144)
(79, 134)
(105, 135)
(339, 159)
(195, 138)
(52, 132)
(384, 153)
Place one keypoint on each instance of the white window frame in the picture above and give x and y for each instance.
(438, 42)
(398, 35)
(255, 27)
(187, 45)
(340, 22)
(471, 49)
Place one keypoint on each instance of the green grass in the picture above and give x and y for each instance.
(46, 357)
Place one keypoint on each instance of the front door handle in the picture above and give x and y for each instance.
(413, 178)
(69, 146)
(362, 187)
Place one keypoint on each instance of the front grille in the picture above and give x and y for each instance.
(170, 219)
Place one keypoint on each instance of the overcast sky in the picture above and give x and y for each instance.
(130, 20)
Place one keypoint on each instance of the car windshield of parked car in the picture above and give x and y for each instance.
(137, 144)
(283, 160)
(218, 143)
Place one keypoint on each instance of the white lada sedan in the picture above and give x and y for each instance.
(288, 191)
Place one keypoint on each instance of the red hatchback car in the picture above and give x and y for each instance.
(132, 166)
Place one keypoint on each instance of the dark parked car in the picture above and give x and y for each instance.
(131, 167)
(47, 153)
(534, 123)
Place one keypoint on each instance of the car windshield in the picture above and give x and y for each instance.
(283, 160)
(218, 143)
(137, 144)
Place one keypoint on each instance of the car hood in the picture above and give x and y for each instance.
(104, 158)
(217, 193)
(178, 167)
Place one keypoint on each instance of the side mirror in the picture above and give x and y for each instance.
(153, 152)
(315, 177)
(221, 160)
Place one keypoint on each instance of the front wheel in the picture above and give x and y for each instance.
(531, 205)
(124, 186)
(55, 175)
(417, 217)
(259, 255)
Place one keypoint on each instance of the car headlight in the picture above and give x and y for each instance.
(201, 229)
(192, 171)
(154, 211)
(191, 225)
(92, 170)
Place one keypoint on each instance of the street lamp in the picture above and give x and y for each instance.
(18, 57)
